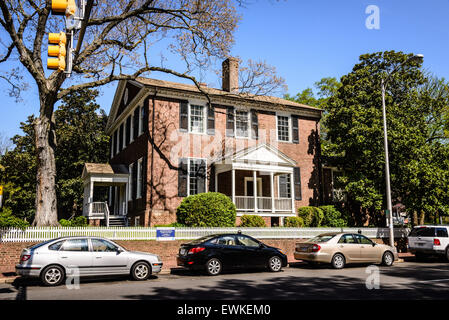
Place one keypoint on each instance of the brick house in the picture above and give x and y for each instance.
(168, 142)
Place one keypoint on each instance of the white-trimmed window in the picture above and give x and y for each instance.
(242, 124)
(141, 118)
(117, 141)
(283, 128)
(197, 118)
(192, 177)
(284, 186)
(131, 129)
(139, 179)
(130, 181)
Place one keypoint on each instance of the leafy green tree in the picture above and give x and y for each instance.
(418, 163)
(80, 126)
(252, 221)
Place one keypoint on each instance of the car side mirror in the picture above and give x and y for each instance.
(374, 244)
(261, 245)
(119, 250)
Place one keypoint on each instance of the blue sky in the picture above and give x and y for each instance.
(305, 41)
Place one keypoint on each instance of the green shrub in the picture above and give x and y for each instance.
(252, 221)
(79, 221)
(312, 216)
(7, 220)
(293, 222)
(332, 217)
(174, 225)
(211, 209)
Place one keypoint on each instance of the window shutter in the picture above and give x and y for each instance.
(114, 144)
(254, 125)
(183, 116)
(211, 120)
(146, 107)
(201, 176)
(230, 122)
(136, 122)
(144, 177)
(134, 180)
(182, 178)
(297, 183)
(120, 138)
(128, 130)
(295, 129)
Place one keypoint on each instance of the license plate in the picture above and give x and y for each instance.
(182, 252)
(420, 244)
(305, 249)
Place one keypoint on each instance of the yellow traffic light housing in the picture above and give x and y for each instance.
(58, 51)
(60, 7)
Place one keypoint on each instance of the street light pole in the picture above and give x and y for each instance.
(387, 164)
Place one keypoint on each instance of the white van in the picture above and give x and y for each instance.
(429, 240)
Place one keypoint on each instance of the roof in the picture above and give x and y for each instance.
(217, 92)
(104, 168)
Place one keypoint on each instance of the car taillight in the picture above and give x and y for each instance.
(316, 248)
(25, 257)
(436, 242)
(196, 250)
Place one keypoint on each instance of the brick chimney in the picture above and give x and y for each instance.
(230, 70)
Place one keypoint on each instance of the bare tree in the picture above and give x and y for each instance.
(119, 44)
(5, 144)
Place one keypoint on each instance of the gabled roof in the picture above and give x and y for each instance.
(216, 95)
(103, 169)
(217, 92)
(261, 153)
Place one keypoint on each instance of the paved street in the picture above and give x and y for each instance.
(406, 280)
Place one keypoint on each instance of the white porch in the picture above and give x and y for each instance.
(116, 178)
(235, 176)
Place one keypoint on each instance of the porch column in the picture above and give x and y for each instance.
(233, 185)
(255, 189)
(216, 182)
(292, 192)
(91, 196)
(272, 192)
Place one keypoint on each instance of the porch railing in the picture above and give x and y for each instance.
(246, 203)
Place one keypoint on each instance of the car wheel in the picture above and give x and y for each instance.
(275, 264)
(388, 259)
(338, 261)
(52, 276)
(141, 271)
(213, 267)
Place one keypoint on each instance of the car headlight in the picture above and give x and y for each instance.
(282, 252)
(158, 259)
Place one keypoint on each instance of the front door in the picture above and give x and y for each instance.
(368, 251)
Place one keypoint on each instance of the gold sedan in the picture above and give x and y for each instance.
(339, 249)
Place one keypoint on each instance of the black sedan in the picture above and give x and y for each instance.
(227, 251)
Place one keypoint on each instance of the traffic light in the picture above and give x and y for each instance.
(61, 7)
(58, 50)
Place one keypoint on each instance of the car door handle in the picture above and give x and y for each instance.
(97, 257)
(63, 257)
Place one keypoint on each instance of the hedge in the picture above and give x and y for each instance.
(293, 222)
(210, 209)
(251, 221)
(312, 216)
(332, 217)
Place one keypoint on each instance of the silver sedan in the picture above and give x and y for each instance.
(52, 261)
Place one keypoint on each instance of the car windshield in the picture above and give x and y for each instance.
(202, 239)
(422, 232)
(321, 238)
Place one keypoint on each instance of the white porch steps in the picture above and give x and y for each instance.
(118, 221)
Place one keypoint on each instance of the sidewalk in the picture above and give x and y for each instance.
(8, 275)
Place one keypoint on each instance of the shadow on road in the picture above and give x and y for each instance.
(425, 281)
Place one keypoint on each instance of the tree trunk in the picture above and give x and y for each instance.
(46, 204)
(422, 218)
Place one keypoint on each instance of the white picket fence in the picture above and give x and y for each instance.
(141, 233)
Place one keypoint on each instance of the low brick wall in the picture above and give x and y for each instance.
(167, 250)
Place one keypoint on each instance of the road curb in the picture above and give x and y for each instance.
(7, 280)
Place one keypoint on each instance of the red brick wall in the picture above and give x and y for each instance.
(167, 250)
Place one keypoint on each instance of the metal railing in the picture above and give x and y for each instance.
(35, 234)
